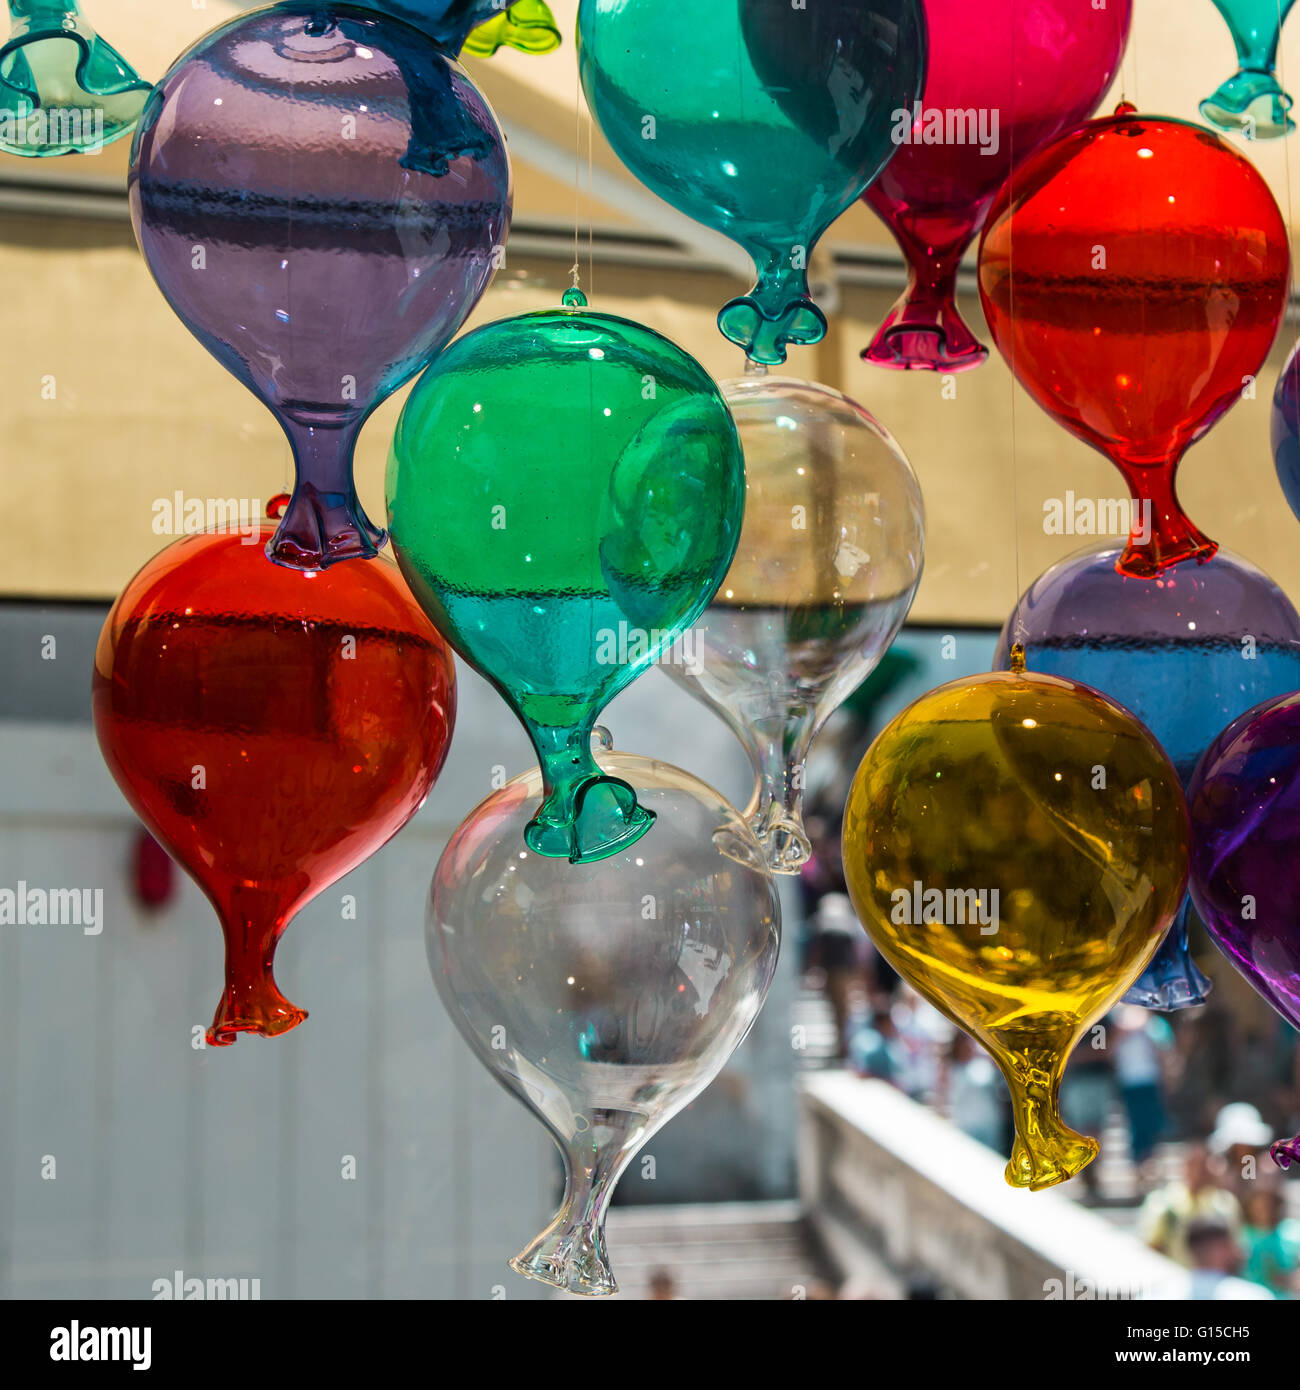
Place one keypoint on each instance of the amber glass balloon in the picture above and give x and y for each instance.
(1016, 846)
(272, 729)
(1135, 283)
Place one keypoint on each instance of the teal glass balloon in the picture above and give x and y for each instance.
(1252, 102)
(565, 494)
(63, 90)
(763, 120)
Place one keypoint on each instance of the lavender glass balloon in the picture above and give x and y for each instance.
(1186, 652)
(1285, 429)
(321, 194)
(1244, 801)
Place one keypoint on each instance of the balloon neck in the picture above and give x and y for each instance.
(527, 25)
(778, 311)
(570, 1253)
(251, 1001)
(586, 815)
(1172, 980)
(1161, 535)
(925, 331)
(324, 522)
(1046, 1150)
(1251, 103)
(778, 749)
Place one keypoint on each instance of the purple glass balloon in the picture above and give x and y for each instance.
(1285, 429)
(1244, 801)
(321, 195)
(1185, 651)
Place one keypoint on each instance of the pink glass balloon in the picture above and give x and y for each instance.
(1004, 78)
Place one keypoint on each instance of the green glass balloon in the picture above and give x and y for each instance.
(565, 495)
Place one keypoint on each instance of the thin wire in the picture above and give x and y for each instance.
(1019, 634)
(1286, 143)
(591, 203)
(575, 270)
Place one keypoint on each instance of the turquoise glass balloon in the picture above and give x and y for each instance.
(565, 494)
(763, 120)
(1252, 102)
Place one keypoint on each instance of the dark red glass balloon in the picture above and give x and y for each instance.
(272, 729)
(1134, 279)
(1003, 78)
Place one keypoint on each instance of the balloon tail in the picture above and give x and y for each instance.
(1285, 1152)
(776, 312)
(1251, 102)
(1172, 980)
(777, 748)
(586, 815)
(570, 1253)
(925, 331)
(251, 1001)
(527, 25)
(324, 522)
(1046, 1150)
(1162, 534)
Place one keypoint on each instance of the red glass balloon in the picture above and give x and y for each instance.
(1134, 279)
(1003, 79)
(272, 729)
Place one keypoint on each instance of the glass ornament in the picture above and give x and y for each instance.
(762, 120)
(1251, 101)
(1009, 886)
(604, 996)
(1245, 807)
(477, 27)
(63, 89)
(1222, 629)
(829, 561)
(1003, 79)
(565, 493)
(321, 195)
(1134, 279)
(1285, 429)
(272, 729)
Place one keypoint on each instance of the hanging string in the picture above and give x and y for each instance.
(575, 269)
(1285, 142)
(1018, 636)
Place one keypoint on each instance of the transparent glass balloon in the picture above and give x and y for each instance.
(828, 564)
(1016, 846)
(604, 995)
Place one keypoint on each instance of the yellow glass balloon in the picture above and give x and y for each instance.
(1016, 846)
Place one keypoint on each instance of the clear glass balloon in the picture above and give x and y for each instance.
(565, 492)
(762, 120)
(605, 996)
(1016, 846)
(1221, 628)
(829, 561)
(63, 89)
(1251, 101)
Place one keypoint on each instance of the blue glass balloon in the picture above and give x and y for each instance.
(479, 27)
(762, 120)
(1285, 429)
(1187, 652)
(1252, 101)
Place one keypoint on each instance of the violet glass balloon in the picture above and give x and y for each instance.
(1245, 865)
(320, 193)
(1004, 78)
(1186, 652)
(1285, 429)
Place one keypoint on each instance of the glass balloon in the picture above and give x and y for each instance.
(604, 996)
(63, 89)
(1222, 629)
(1016, 846)
(478, 27)
(763, 121)
(1134, 278)
(320, 194)
(565, 493)
(272, 729)
(1285, 429)
(1251, 101)
(829, 561)
(1245, 808)
(1003, 79)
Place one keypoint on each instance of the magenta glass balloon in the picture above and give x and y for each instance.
(321, 195)
(1244, 802)
(1005, 78)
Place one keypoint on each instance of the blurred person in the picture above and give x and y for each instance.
(875, 1050)
(1087, 1093)
(1270, 1238)
(1240, 1136)
(1141, 1040)
(836, 930)
(663, 1285)
(976, 1093)
(1167, 1214)
(1216, 1260)
(926, 1036)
